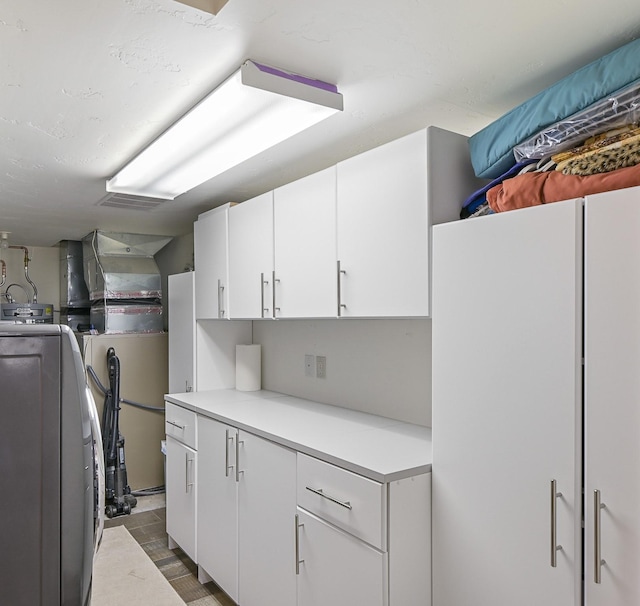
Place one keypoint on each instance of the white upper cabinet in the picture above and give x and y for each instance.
(305, 247)
(211, 260)
(353, 240)
(387, 200)
(251, 258)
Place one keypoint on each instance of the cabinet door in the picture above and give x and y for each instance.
(251, 258)
(211, 258)
(181, 495)
(267, 507)
(336, 568)
(218, 504)
(181, 319)
(612, 394)
(305, 246)
(507, 336)
(383, 230)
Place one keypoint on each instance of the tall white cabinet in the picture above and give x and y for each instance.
(182, 337)
(511, 394)
(612, 396)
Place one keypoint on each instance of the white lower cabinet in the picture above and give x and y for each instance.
(266, 507)
(181, 495)
(278, 527)
(353, 546)
(218, 504)
(247, 508)
(336, 568)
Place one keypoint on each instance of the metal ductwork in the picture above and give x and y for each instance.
(122, 266)
(124, 281)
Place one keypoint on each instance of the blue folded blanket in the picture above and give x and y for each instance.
(491, 148)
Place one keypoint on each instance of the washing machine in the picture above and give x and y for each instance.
(51, 468)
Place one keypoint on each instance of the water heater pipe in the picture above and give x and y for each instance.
(26, 271)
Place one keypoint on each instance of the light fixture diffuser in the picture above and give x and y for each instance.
(254, 109)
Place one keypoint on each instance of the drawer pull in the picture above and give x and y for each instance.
(181, 427)
(319, 491)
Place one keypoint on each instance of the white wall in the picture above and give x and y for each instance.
(377, 366)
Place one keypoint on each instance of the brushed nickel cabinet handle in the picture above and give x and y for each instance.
(598, 506)
(181, 427)
(298, 527)
(320, 492)
(274, 280)
(238, 442)
(555, 495)
(341, 305)
(220, 293)
(227, 467)
(186, 472)
(263, 309)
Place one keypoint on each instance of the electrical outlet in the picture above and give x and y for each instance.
(321, 367)
(309, 363)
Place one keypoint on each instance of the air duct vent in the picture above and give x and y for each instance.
(130, 202)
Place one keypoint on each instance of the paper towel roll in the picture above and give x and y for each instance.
(248, 368)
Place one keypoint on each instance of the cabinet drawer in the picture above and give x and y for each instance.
(336, 568)
(180, 423)
(352, 502)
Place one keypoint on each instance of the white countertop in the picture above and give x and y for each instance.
(376, 447)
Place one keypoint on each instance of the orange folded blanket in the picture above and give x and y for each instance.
(532, 189)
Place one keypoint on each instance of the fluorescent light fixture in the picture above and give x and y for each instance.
(209, 6)
(254, 109)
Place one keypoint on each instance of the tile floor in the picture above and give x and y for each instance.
(147, 525)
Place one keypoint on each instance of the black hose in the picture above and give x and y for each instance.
(104, 390)
(147, 492)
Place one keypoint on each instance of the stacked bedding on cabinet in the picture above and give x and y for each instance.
(566, 141)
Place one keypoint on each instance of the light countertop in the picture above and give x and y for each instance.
(379, 448)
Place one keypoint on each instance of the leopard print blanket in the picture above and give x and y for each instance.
(602, 153)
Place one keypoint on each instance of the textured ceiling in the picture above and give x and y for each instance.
(85, 84)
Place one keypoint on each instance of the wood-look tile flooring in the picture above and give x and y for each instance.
(149, 529)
